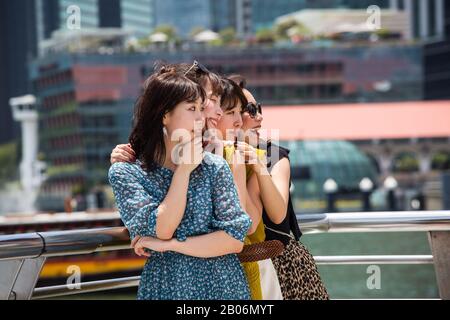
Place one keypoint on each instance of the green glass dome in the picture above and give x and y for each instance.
(313, 162)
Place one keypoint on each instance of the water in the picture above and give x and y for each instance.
(349, 282)
(397, 281)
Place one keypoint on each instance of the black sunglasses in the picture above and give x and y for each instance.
(198, 68)
(253, 109)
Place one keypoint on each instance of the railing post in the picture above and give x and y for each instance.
(440, 247)
(19, 277)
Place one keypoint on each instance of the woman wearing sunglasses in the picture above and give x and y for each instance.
(296, 268)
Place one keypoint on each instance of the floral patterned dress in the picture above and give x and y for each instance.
(212, 205)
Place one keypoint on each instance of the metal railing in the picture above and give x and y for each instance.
(22, 256)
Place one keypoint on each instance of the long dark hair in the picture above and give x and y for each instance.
(162, 93)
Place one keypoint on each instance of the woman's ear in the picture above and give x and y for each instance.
(165, 119)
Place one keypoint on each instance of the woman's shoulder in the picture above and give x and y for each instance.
(213, 159)
(214, 164)
(125, 170)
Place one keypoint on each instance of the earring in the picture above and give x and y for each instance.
(165, 131)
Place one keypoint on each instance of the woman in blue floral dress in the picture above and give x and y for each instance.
(179, 203)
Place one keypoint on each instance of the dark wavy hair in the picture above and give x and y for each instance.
(232, 94)
(196, 74)
(162, 93)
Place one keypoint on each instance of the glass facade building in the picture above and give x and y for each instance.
(187, 15)
(223, 14)
(18, 41)
(85, 108)
(183, 15)
(264, 12)
(311, 75)
(437, 60)
(137, 16)
(88, 9)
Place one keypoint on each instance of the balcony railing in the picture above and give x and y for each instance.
(22, 256)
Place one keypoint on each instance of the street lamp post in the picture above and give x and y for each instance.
(418, 202)
(330, 187)
(391, 184)
(366, 187)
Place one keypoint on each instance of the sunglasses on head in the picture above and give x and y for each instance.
(198, 68)
(253, 109)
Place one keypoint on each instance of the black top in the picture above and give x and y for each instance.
(276, 153)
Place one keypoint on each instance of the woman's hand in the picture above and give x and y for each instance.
(135, 240)
(214, 143)
(189, 156)
(257, 159)
(140, 244)
(237, 162)
(123, 153)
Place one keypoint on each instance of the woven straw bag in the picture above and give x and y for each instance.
(261, 251)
